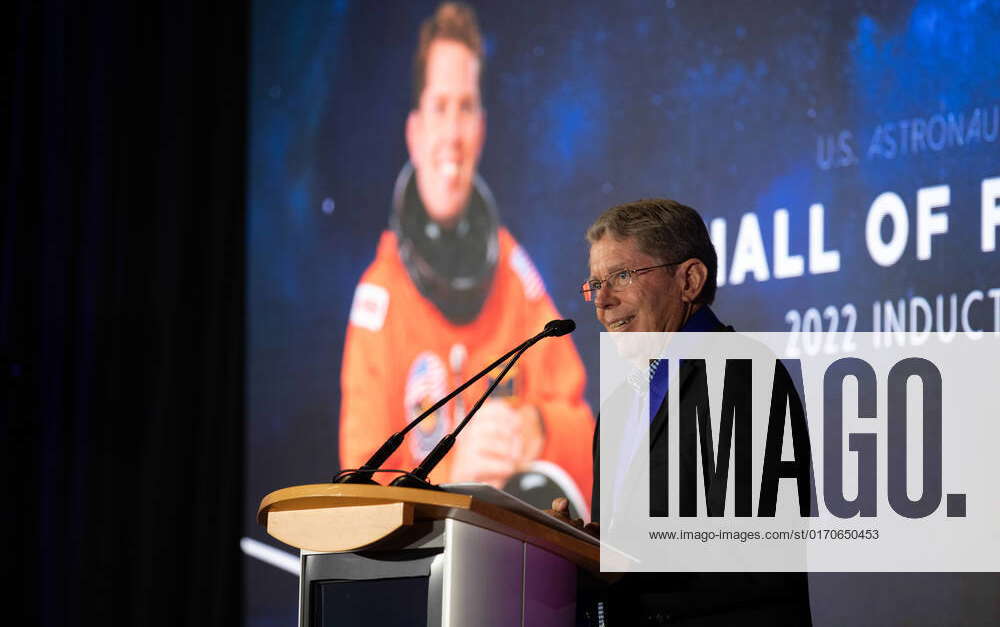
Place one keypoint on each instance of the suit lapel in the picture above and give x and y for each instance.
(659, 424)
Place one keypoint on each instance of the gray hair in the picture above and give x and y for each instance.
(664, 229)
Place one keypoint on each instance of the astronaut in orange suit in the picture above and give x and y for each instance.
(449, 291)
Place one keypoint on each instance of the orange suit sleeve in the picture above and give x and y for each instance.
(366, 419)
(555, 381)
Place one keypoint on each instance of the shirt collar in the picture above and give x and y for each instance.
(701, 321)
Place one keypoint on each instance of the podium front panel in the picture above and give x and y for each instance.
(447, 573)
(550, 589)
(391, 587)
(483, 577)
(336, 603)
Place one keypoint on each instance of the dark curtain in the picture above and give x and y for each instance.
(121, 311)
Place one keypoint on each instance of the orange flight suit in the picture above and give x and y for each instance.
(401, 355)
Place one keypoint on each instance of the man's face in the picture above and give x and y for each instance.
(652, 303)
(445, 134)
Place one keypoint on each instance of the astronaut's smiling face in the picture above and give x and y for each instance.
(446, 132)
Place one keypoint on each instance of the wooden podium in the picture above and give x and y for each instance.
(375, 555)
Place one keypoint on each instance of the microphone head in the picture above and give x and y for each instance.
(555, 328)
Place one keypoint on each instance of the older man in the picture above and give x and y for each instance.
(652, 269)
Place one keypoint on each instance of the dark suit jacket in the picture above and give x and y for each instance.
(703, 599)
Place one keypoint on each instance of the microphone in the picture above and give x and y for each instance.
(418, 477)
(364, 474)
(558, 328)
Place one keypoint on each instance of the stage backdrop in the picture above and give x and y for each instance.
(845, 156)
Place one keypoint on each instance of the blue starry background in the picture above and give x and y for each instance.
(721, 105)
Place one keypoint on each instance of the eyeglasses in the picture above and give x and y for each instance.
(617, 281)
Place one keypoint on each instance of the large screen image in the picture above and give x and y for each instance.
(421, 177)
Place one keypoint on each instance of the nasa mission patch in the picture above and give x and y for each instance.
(425, 384)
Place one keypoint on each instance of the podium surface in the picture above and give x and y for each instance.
(385, 555)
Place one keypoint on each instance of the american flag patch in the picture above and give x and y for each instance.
(526, 271)
(371, 302)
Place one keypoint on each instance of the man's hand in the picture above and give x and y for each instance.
(560, 510)
(498, 442)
